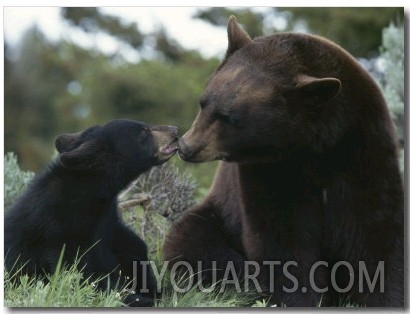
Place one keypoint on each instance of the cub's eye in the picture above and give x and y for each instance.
(143, 134)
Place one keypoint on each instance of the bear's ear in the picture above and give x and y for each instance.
(84, 157)
(65, 142)
(315, 90)
(237, 37)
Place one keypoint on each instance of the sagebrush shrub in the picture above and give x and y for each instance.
(164, 190)
(15, 179)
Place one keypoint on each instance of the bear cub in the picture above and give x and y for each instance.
(73, 204)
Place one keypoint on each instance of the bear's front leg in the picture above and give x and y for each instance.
(288, 283)
(286, 248)
(201, 239)
(131, 253)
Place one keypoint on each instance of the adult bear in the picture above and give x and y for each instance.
(73, 204)
(309, 175)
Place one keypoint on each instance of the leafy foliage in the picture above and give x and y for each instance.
(218, 16)
(392, 53)
(15, 180)
(355, 29)
(91, 20)
(53, 88)
(391, 80)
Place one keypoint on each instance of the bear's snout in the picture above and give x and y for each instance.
(196, 153)
(166, 138)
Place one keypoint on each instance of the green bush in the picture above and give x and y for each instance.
(15, 179)
(392, 54)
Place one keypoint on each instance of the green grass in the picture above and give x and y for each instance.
(195, 298)
(68, 291)
(64, 288)
(67, 288)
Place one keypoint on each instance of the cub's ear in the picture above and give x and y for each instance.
(84, 157)
(237, 37)
(309, 89)
(65, 142)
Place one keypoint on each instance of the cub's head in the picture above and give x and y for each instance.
(268, 96)
(120, 149)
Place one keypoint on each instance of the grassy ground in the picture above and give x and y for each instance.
(66, 288)
(69, 291)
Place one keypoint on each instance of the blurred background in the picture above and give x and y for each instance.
(66, 69)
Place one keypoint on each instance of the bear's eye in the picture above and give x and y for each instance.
(203, 102)
(228, 118)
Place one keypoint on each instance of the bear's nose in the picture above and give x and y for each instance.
(183, 150)
(181, 144)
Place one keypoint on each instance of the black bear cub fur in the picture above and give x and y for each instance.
(73, 204)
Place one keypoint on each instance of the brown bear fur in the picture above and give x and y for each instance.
(309, 171)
